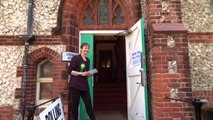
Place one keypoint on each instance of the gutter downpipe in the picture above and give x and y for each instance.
(26, 39)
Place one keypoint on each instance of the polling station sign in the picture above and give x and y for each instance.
(67, 56)
(136, 58)
(53, 112)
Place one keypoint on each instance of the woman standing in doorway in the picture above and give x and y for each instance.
(78, 69)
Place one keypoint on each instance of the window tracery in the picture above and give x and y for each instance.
(118, 18)
(103, 12)
(89, 20)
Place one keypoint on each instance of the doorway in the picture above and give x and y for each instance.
(110, 83)
(133, 76)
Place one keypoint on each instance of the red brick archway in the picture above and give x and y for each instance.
(43, 53)
(34, 59)
(74, 9)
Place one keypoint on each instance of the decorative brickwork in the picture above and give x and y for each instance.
(168, 62)
(163, 82)
(59, 83)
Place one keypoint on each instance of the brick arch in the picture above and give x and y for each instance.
(43, 53)
(129, 10)
(70, 27)
(132, 14)
(71, 19)
(34, 58)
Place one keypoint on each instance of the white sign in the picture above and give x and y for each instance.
(53, 112)
(136, 58)
(93, 71)
(67, 56)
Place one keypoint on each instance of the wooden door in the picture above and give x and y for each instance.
(88, 38)
(136, 73)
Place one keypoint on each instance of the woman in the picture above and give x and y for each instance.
(78, 69)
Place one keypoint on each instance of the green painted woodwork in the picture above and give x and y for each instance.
(88, 38)
(144, 66)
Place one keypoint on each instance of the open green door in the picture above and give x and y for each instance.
(88, 38)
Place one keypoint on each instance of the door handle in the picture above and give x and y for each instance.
(143, 78)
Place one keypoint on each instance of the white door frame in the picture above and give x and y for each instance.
(101, 32)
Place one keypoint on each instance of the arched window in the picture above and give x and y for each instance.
(103, 12)
(44, 82)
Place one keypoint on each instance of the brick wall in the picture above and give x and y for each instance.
(166, 11)
(163, 82)
(72, 22)
(6, 112)
(59, 81)
(168, 63)
(198, 37)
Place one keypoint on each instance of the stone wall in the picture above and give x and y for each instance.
(201, 62)
(201, 57)
(13, 20)
(10, 58)
(198, 18)
(197, 15)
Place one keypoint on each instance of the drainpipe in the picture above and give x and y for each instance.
(30, 18)
(26, 39)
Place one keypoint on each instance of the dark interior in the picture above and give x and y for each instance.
(110, 82)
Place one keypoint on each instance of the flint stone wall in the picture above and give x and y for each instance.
(13, 20)
(10, 58)
(197, 15)
(201, 63)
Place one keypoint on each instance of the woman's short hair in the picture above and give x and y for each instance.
(84, 44)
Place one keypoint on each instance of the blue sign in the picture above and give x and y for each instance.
(136, 59)
(67, 56)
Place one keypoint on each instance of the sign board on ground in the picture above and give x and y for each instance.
(53, 112)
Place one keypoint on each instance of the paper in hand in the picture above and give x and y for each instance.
(93, 71)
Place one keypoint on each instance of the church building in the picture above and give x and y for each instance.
(154, 57)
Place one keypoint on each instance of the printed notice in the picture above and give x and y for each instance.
(93, 71)
(136, 58)
(53, 112)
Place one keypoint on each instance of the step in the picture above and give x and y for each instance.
(110, 96)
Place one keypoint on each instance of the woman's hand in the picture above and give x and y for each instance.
(86, 73)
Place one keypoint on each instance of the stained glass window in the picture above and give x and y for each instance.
(119, 19)
(89, 18)
(103, 12)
